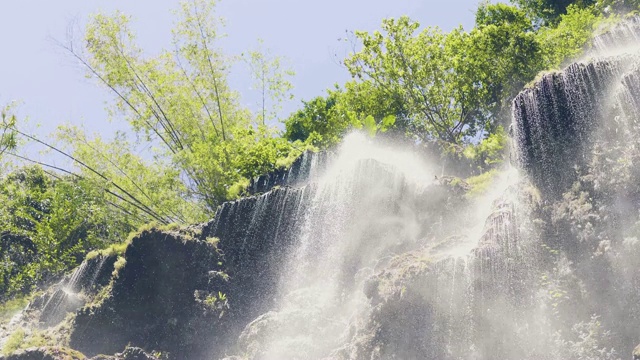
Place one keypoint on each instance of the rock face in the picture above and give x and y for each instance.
(71, 292)
(578, 140)
(557, 118)
(45, 353)
(304, 168)
(426, 306)
(254, 235)
(130, 353)
(162, 298)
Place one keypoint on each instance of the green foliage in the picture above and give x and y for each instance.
(490, 151)
(322, 121)
(207, 146)
(7, 124)
(453, 85)
(569, 38)
(156, 185)
(549, 11)
(217, 303)
(49, 223)
(11, 307)
(587, 341)
(271, 81)
(480, 184)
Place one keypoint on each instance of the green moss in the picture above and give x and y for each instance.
(65, 353)
(146, 227)
(14, 342)
(119, 264)
(19, 340)
(170, 227)
(213, 241)
(481, 183)
(36, 339)
(11, 307)
(112, 250)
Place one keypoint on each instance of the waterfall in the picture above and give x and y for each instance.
(578, 139)
(68, 295)
(374, 257)
(366, 208)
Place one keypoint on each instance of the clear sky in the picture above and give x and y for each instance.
(52, 88)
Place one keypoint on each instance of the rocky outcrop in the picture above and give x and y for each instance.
(577, 138)
(303, 169)
(254, 235)
(45, 353)
(556, 119)
(167, 294)
(73, 290)
(130, 353)
(428, 304)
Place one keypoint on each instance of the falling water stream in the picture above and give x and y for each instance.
(370, 204)
(493, 279)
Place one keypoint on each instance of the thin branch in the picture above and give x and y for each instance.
(148, 210)
(93, 71)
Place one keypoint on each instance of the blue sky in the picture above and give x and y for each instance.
(52, 89)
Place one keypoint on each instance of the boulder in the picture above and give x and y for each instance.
(167, 294)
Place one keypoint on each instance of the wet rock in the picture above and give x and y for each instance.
(300, 172)
(255, 233)
(163, 297)
(130, 353)
(72, 292)
(555, 120)
(45, 353)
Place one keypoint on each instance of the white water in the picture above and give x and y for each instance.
(371, 203)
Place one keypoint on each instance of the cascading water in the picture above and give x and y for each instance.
(381, 264)
(356, 219)
(577, 133)
(69, 294)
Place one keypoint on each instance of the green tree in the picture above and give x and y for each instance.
(508, 55)
(49, 223)
(146, 190)
(549, 11)
(180, 102)
(453, 86)
(271, 81)
(569, 37)
(323, 121)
